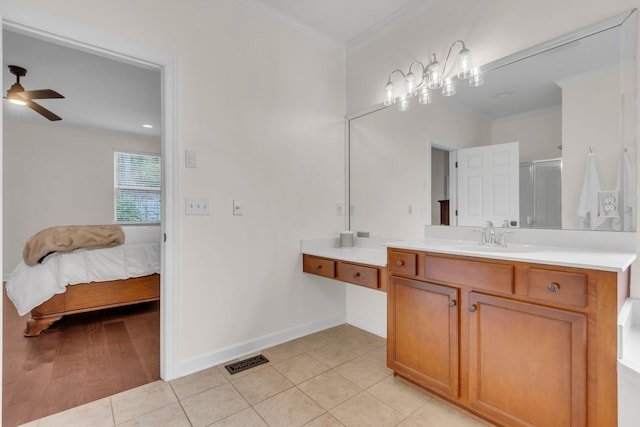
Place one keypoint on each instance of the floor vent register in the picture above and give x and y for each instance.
(243, 365)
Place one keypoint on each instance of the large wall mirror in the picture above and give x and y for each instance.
(569, 108)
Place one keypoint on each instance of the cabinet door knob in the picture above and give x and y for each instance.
(318, 267)
(472, 308)
(356, 275)
(399, 263)
(452, 303)
(553, 287)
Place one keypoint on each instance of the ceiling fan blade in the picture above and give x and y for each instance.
(40, 109)
(39, 94)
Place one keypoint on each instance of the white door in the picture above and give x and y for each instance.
(488, 182)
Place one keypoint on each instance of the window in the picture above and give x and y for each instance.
(137, 187)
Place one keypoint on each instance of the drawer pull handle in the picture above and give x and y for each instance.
(399, 263)
(553, 287)
(318, 267)
(356, 275)
(472, 308)
(452, 303)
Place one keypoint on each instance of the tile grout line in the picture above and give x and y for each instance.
(180, 404)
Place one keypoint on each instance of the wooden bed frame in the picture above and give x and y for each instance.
(86, 297)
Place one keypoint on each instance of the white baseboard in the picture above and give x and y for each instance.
(379, 328)
(247, 347)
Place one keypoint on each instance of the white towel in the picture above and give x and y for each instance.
(588, 205)
(626, 184)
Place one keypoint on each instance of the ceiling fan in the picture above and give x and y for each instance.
(18, 95)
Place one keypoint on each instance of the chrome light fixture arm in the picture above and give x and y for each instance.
(433, 78)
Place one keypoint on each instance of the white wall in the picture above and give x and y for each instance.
(598, 128)
(263, 108)
(391, 162)
(539, 134)
(58, 175)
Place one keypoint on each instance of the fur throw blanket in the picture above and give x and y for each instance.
(70, 238)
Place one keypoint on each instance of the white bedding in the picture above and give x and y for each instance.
(29, 287)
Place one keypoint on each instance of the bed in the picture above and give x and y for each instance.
(87, 280)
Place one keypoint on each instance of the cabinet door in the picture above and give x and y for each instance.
(423, 334)
(527, 363)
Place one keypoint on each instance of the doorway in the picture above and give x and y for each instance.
(115, 48)
(440, 181)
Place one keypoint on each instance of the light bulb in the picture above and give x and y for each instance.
(389, 99)
(449, 88)
(404, 103)
(464, 64)
(435, 79)
(410, 84)
(425, 96)
(17, 101)
(477, 79)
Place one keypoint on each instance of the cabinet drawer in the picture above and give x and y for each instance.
(358, 275)
(557, 287)
(402, 263)
(480, 275)
(319, 266)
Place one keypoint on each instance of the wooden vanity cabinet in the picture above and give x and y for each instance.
(424, 313)
(519, 344)
(369, 276)
(527, 363)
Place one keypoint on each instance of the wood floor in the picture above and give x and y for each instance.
(81, 358)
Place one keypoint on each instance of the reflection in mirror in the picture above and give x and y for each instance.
(565, 103)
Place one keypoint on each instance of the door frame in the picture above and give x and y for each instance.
(22, 19)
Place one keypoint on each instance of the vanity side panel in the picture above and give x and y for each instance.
(610, 291)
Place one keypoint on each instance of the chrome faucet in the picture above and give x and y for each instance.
(488, 234)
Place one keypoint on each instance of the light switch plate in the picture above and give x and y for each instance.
(190, 159)
(237, 207)
(196, 206)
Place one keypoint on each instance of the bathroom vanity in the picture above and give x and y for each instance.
(518, 342)
(364, 264)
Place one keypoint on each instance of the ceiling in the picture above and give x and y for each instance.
(108, 94)
(345, 22)
(99, 92)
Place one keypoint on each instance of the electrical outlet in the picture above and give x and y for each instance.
(339, 209)
(609, 203)
(196, 206)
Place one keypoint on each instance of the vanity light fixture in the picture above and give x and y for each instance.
(433, 78)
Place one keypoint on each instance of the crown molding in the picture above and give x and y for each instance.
(291, 23)
(411, 8)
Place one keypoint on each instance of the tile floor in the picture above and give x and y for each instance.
(335, 377)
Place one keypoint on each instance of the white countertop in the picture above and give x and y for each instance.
(365, 251)
(374, 252)
(595, 259)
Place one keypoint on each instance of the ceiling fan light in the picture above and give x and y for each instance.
(15, 99)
